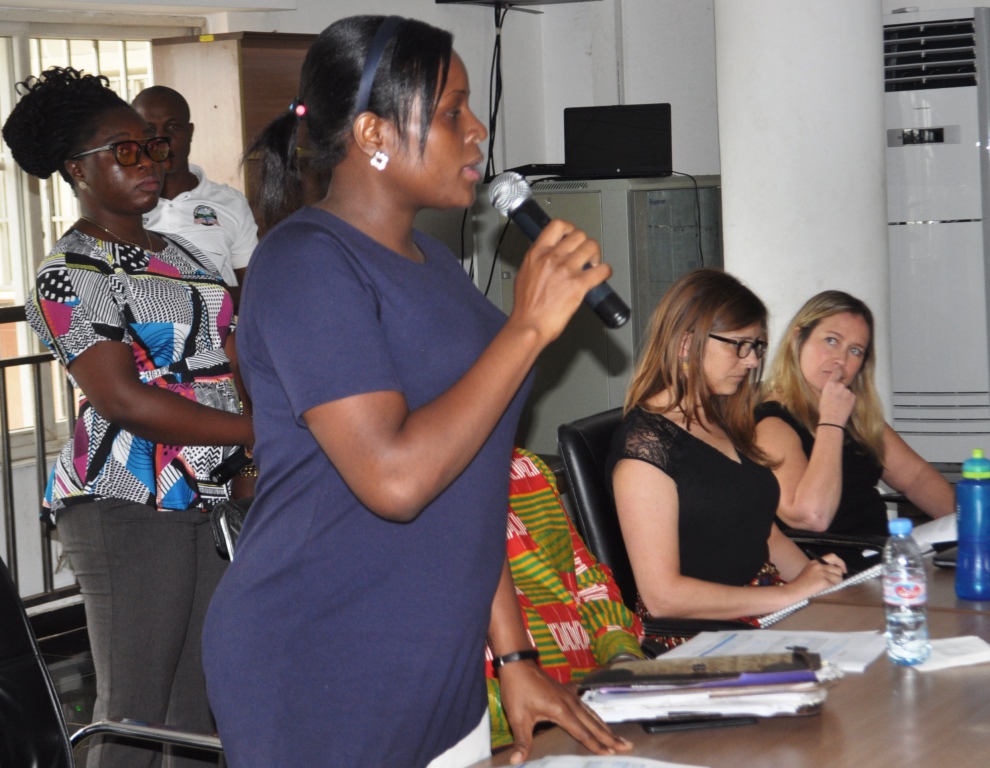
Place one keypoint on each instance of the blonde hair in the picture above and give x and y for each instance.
(786, 383)
(701, 302)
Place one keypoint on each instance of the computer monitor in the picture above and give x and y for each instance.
(625, 140)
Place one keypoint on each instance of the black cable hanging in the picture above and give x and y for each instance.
(495, 91)
(697, 214)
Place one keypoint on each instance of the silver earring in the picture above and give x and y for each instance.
(83, 184)
(380, 160)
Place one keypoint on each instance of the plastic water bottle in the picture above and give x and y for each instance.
(905, 596)
(973, 524)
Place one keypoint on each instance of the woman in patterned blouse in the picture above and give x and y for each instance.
(140, 322)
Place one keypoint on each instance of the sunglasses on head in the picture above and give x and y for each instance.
(129, 152)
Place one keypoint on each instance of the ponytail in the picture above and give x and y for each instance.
(278, 179)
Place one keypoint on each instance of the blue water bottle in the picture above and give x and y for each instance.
(973, 524)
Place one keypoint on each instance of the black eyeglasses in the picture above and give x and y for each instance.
(743, 348)
(129, 152)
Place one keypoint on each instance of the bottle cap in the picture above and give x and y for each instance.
(900, 526)
(976, 467)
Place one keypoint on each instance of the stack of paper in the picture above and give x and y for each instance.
(763, 685)
(615, 761)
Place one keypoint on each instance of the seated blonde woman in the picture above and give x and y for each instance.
(821, 423)
(695, 496)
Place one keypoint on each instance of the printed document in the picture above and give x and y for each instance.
(849, 651)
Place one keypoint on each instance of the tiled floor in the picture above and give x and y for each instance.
(71, 668)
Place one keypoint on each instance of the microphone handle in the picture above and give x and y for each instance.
(612, 310)
(530, 218)
(606, 303)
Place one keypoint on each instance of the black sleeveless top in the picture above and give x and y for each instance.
(726, 507)
(861, 510)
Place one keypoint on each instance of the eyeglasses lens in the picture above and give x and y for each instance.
(746, 347)
(128, 152)
(158, 149)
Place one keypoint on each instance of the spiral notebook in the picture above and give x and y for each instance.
(870, 573)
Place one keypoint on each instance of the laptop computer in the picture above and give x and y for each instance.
(617, 141)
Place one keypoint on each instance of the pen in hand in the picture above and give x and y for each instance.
(819, 559)
(816, 557)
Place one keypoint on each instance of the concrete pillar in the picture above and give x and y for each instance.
(801, 135)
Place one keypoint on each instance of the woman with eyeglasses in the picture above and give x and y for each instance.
(139, 321)
(694, 494)
(821, 423)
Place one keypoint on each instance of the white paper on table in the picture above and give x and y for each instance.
(574, 761)
(937, 531)
(956, 652)
(849, 651)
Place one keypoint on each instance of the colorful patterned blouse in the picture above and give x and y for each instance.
(570, 603)
(175, 313)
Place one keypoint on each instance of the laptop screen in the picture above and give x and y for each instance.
(617, 141)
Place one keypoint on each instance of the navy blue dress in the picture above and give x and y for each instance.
(337, 637)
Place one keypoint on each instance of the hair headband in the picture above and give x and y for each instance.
(386, 30)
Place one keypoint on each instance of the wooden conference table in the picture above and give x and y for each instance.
(887, 716)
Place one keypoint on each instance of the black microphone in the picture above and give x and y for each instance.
(511, 195)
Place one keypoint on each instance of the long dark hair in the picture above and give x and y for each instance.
(701, 302)
(58, 113)
(413, 69)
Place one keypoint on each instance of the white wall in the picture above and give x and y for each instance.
(571, 54)
(669, 56)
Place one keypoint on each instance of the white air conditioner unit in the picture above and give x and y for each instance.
(937, 83)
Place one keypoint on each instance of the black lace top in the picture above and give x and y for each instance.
(861, 510)
(726, 507)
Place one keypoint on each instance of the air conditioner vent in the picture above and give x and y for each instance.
(939, 54)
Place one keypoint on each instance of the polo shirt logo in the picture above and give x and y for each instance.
(204, 214)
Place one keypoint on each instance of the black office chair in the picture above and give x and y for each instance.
(584, 445)
(32, 728)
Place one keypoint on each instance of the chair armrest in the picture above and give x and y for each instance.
(825, 539)
(674, 627)
(161, 734)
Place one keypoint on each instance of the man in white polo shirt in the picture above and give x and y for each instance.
(214, 217)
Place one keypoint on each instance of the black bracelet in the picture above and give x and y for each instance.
(529, 655)
(829, 424)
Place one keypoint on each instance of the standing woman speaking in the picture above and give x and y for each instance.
(140, 323)
(350, 628)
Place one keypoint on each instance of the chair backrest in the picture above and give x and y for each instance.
(584, 446)
(32, 728)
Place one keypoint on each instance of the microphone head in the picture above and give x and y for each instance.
(507, 191)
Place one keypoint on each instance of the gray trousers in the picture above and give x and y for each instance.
(146, 578)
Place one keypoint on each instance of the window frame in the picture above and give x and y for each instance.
(24, 192)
